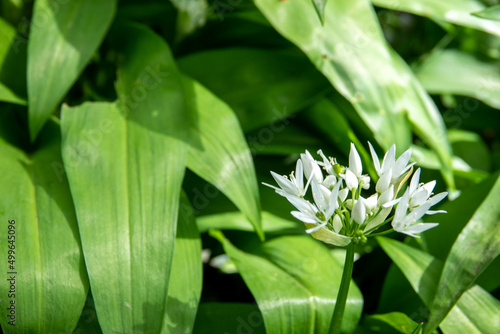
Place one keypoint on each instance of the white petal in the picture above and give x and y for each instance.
(302, 205)
(285, 184)
(389, 159)
(429, 187)
(316, 228)
(414, 182)
(384, 182)
(387, 197)
(400, 164)
(391, 203)
(299, 176)
(418, 228)
(333, 203)
(351, 180)
(371, 202)
(375, 159)
(355, 161)
(304, 217)
(402, 207)
(326, 163)
(318, 195)
(437, 198)
(433, 212)
(359, 211)
(337, 224)
(343, 194)
(311, 168)
(330, 181)
(419, 197)
(365, 181)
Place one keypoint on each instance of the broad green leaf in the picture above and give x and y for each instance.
(457, 12)
(351, 51)
(394, 322)
(460, 211)
(12, 65)
(460, 73)
(46, 277)
(228, 318)
(490, 13)
(125, 164)
(295, 281)
(220, 155)
(63, 37)
(237, 221)
(474, 249)
(475, 312)
(261, 86)
(184, 288)
(88, 323)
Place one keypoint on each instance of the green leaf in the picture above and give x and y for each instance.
(220, 155)
(237, 221)
(490, 13)
(184, 288)
(319, 5)
(475, 311)
(261, 86)
(460, 73)
(456, 12)
(49, 284)
(295, 281)
(63, 37)
(351, 51)
(12, 65)
(394, 322)
(474, 249)
(228, 318)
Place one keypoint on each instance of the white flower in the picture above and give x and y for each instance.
(406, 222)
(397, 167)
(420, 193)
(350, 180)
(359, 211)
(356, 168)
(294, 186)
(311, 168)
(327, 164)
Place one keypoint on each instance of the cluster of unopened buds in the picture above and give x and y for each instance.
(338, 214)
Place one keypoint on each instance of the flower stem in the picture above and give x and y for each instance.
(338, 313)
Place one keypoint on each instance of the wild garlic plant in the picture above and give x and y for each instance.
(339, 213)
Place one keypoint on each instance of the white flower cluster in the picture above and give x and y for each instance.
(338, 214)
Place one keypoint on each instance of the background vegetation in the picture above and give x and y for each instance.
(135, 134)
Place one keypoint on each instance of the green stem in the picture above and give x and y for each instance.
(338, 313)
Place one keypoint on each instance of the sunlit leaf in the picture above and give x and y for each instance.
(422, 271)
(12, 65)
(394, 322)
(125, 174)
(474, 249)
(460, 73)
(184, 288)
(219, 153)
(63, 37)
(295, 281)
(490, 13)
(45, 278)
(261, 86)
(351, 51)
(457, 12)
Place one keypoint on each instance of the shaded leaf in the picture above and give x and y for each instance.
(237, 221)
(460, 73)
(456, 12)
(422, 271)
(12, 65)
(228, 318)
(46, 277)
(185, 283)
(490, 13)
(63, 37)
(261, 86)
(394, 322)
(474, 249)
(298, 269)
(378, 83)
(219, 153)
